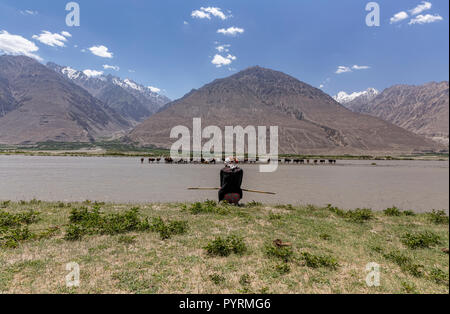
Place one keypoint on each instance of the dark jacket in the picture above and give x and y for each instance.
(230, 181)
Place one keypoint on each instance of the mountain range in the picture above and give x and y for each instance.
(41, 103)
(348, 99)
(422, 109)
(37, 105)
(309, 120)
(130, 99)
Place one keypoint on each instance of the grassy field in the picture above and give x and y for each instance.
(210, 248)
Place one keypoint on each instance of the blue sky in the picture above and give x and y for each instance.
(171, 44)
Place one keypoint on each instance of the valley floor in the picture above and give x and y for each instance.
(211, 248)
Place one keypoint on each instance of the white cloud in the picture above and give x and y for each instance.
(154, 89)
(92, 73)
(220, 60)
(206, 13)
(132, 71)
(101, 51)
(400, 16)
(29, 12)
(50, 39)
(231, 31)
(111, 67)
(424, 19)
(421, 7)
(360, 67)
(217, 12)
(66, 34)
(321, 86)
(343, 69)
(185, 23)
(17, 45)
(223, 48)
(200, 15)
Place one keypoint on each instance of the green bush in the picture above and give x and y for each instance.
(420, 239)
(285, 253)
(316, 261)
(13, 220)
(209, 207)
(86, 221)
(167, 230)
(392, 211)
(405, 263)
(438, 217)
(439, 276)
(358, 215)
(14, 227)
(225, 246)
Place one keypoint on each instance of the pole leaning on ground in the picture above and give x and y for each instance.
(245, 190)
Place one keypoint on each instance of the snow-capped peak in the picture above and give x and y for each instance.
(132, 84)
(343, 98)
(70, 73)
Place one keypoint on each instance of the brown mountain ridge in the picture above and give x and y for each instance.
(309, 120)
(422, 109)
(37, 105)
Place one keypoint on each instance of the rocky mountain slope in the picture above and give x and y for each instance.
(132, 100)
(37, 105)
(420, 109)
(309, 120)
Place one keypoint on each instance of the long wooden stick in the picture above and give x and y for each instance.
(245, 190)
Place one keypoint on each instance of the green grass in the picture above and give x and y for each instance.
(218, 248)
(127, 148)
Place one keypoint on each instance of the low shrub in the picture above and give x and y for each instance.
(316, 261)
(405, 263)
(358, 215)
(438, 217)
(84, 221)
(209, 207)
(168, 229)
(392, 211)
(225, 246)
(285, 253)
(420, 239)
(13, 220)
(438, 276)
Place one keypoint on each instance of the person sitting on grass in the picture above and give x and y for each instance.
(230, 181)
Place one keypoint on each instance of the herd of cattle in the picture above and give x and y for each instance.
(213, 161)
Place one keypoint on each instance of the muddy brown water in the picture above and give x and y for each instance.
(415, 185)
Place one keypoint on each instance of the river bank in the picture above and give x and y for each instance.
(210, 248)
